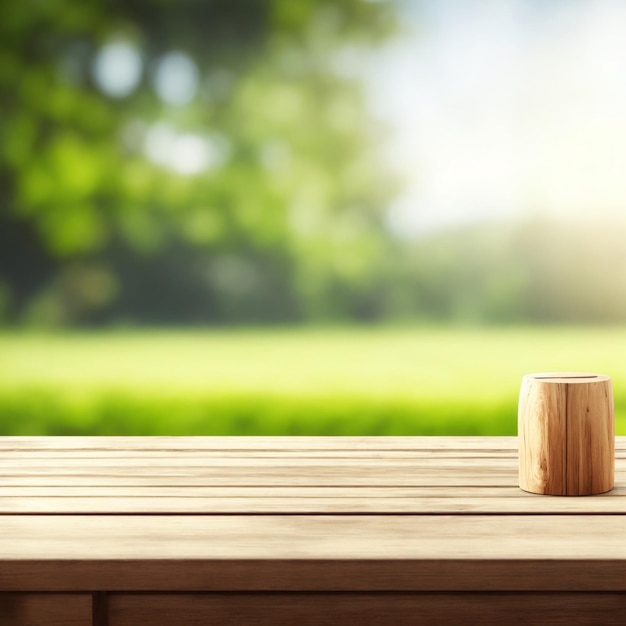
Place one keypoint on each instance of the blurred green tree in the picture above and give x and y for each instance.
(189, 161)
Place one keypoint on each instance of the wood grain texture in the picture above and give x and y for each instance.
(367, 609)
(280, 475)
(85, 552)
(41, 609)
(276, 515)
(590, 438)
(566, 434)
(278, 444)
(269, 575)
(231, 537)
(297, 501)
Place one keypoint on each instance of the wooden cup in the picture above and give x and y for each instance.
(566, 430)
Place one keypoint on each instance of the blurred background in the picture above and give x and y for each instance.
(313, 217)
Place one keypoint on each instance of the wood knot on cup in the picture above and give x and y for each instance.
(566, 431)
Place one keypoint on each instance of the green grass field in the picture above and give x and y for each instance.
(353, 381)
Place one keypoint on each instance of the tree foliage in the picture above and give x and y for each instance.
(103, 216)
(213, 161)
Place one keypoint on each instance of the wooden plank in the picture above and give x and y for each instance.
(45, 609)
(44, 445)
(76, 466)
(567, 537)
(258, 443)
(277, 477)
(297, 500)
(367, 609)
(58, 456)
(93, 466)
(179, 461)
(280, 477)
(246, 447)
(170, 575)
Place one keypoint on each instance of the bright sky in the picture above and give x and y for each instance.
(506, 107)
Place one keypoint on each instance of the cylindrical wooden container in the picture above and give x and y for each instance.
(566, 430)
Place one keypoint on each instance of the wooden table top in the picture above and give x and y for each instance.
(285, 513)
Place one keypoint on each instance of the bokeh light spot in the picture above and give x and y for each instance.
(184, 153)
(117, 69)
(176, 78)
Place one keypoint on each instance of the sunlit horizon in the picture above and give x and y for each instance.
(501, 110)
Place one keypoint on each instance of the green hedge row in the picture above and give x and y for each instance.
(47, 413)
